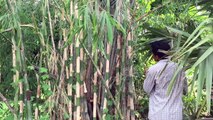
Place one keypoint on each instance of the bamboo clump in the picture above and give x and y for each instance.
(84, 65)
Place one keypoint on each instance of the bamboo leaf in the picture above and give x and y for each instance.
(194, 79)
(178, 31)
(30, 67)
(200, 83)
(101, 48)
(208, 38)
(43, 70)
(72, 35)
(118, 25)
(109, 29)
(172, 82)
(179, 69)
(179, 41)
(102, 20)
(86, 17)
(195, 38)
(197, 30)
(4, 17)
(203, 56)
(209, 69)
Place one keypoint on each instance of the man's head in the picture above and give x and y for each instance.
(157, 47)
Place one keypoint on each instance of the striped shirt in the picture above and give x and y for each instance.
(161, 105)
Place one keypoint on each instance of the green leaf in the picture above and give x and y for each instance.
(102, 20)
(9, 117)
(49, 93)
(200, 83)
(4, 16)
(66, 115)
(30, 67)
(179, 69)
(208, 38)
(105, 110)
(194, 79)
(203, 56)
(172, 82)
(194, 38)
(86, 17)
(178, 31)
(108, 117)
(43, 70)
(44, 77)
(45, 87)
(209, 69)
(13, 70)
(118, 26)
(110, 103)
(101, 48)
(196, 30)
(109, 29)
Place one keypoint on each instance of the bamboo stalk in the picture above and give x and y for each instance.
(15, 78)
(21, 60)
(130, 98)
(21, 103)
(26, 84)
(78, 76)
(95, 96)
(78, 106)
(82, 74)
(118, 53)
(107, 79)
(69, 86)
(96, 89)
(65, 68)
(60, 97)
(38, 93)
(70, 80)
(101, 67)
(123, 82)
(84, 109)
(15, 59)
(50, 25)
(95, 80)
(118, 66)
(103, 81)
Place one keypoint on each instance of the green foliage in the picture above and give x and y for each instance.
(189, 107)
(5, 114)
(44, 117)
(189, 26)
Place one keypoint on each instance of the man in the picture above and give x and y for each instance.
(164, 106)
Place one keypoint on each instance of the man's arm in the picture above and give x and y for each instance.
(149, 82)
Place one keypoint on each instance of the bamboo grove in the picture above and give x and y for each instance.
(79, 64)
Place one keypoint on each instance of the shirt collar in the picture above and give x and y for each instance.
(166, 59)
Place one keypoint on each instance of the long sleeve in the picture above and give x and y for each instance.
(149, 82)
